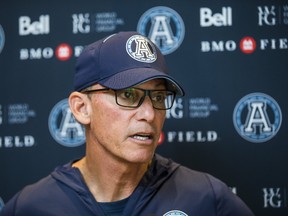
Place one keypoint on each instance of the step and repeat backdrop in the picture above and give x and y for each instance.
(230, 56)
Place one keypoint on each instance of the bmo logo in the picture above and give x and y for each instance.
(208, 18)
(34, 27)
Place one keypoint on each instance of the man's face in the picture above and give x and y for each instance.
(126, 134)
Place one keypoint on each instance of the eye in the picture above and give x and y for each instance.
(159, 96)
(130, 95)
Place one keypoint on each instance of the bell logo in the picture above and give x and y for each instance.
(218, 19)
(27, 27)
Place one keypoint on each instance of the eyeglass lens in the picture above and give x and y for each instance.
(134, 97)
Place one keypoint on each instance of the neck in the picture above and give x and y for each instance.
(110, 180)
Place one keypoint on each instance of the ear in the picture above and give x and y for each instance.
(80, 105)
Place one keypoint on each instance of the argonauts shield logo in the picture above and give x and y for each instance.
(164, 27)
(2, 38)
(175, 213)
(257, 117)
(141, 49)
(63, 126)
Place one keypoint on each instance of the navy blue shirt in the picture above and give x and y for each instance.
(114, 208)
(167, 188)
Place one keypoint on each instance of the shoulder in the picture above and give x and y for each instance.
(48, 191)
(38, 189)
(203, 191)
(211, 188)
(29, 196)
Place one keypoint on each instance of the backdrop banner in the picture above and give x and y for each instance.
(230, 57)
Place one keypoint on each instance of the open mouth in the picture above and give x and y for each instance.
(142, 137)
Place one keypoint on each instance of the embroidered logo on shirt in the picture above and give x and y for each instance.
(175, 213)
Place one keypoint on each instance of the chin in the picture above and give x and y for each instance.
(141, 157)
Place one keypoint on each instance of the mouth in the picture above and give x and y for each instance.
(142, 137)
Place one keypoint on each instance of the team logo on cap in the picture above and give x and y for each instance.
(141, 49)
(63, 126)
(257, 117)
(164, 27)
(2, 38)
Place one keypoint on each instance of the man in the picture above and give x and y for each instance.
(122, 90)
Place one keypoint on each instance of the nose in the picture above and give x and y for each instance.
(146, 111)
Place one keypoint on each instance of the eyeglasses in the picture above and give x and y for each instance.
(134, 97)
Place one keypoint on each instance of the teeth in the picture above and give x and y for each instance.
(141, 137)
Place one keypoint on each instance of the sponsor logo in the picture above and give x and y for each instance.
(17, 141)
(274, 44)
(257, 117)
(272, 15)
(192, 108)
(81, 23)
(247, 45)
(157, 23)
(15, 114)
(201, 107)
(177, 110)
(207, 18)
(2, 38)
(140, 49)
(85, 23)
(63, 52)
(218, 46)
(63, 126)
(191, 136)
(19, 113)
(175, 213)
(39, 27)
(36, 53)
(274, 197)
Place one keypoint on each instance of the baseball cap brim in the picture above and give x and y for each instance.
(135, 76)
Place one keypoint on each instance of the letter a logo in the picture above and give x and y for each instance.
(63, 126)
(141, 49)
(257, 117)
(164, 26)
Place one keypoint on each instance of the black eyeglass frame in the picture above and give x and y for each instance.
(147, 92)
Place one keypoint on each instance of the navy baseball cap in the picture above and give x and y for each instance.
(120, 61)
